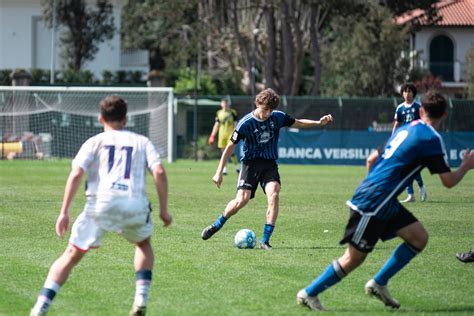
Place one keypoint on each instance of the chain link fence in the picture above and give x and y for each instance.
(195, 118)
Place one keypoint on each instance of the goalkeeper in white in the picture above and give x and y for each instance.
(116, 201)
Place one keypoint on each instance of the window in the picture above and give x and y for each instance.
(441, 57)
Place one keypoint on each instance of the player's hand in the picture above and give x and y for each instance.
(468, 159)
(217, 179)
(211, 139)
(62, 223)
(325, 119)
(166, 218)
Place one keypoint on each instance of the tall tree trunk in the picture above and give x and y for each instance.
(315, 50)
(243, 44)
(297, 72)
(270, 60)
(288, 51)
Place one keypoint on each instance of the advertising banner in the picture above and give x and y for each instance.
(352, 147)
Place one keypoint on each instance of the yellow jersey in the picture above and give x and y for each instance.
(227, 120)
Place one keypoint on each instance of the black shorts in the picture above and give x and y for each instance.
(256, 172)
(363, 232)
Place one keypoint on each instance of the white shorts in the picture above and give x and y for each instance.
(130, 218)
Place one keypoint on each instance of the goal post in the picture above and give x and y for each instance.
(53, 122)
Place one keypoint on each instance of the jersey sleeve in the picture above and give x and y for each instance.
(288, 120)
(437, 164)
(397, 117)
(152, 156)
(435, 156)
(234, 114)
(85, 155)
(236, 136)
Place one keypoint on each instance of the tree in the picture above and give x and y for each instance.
(85, 28)
(164, 28)
(362, 59)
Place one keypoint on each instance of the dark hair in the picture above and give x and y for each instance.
(434, 104)
(408, 86)
(113, 108)
(268, 98)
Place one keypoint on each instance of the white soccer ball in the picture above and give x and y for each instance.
(245, 238)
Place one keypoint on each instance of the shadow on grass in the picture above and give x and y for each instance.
(468, 310)
(277, 247)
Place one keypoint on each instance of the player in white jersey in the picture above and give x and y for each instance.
(115, 162)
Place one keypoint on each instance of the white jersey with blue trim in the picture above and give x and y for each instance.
(116, 163)
(411, 148)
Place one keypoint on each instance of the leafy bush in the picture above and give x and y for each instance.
(74, 76)
(5, 78)
(186, 81)
(204, 150)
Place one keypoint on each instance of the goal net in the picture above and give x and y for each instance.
(53, 122)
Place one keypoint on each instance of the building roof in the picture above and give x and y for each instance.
(452, 13)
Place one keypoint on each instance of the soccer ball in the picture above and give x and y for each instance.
(245, 238)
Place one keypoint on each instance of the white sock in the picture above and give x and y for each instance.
(141, 292)
(43, 301)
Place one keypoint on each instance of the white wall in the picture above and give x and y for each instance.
(16, 32)
(26, 43)
(463, 40)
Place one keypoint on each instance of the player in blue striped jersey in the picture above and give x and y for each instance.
(259, 131)
(405, 113)
(375, 212)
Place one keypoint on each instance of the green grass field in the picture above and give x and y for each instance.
(196, 277)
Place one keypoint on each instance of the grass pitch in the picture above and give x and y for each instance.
(196, 277)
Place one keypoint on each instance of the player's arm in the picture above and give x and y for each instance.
(305, 123)
(228, 151)
(212, 137)
(72, 185)
(396, 123)
(369, 163)
(161, 184)
(451, 178)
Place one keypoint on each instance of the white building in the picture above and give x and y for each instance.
(25, 41)
(443, 46)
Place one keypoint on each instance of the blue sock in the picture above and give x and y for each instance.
(419, 179)
(267, 233)
(332, 275)
(399, 258)
(410, 188)
(220, 222)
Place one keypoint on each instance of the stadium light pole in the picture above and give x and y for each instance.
(53, 44)
(253, 83)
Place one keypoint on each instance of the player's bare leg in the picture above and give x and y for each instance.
(143, 262)
(272, 190)
(416, 239)
(57, 276)
(351, 259)
(241, 199)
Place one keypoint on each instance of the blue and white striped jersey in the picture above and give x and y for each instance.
(411, 148)
(260, 137)
(405, 113)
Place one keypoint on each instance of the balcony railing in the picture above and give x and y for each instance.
(134, 58)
